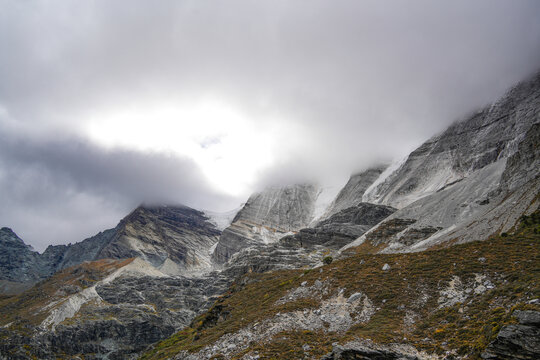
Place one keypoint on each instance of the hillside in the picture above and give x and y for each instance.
(432, 304)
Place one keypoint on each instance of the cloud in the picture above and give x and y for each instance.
(59, 191)
(341, 85)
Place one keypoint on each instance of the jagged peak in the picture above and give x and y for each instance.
(7, 235)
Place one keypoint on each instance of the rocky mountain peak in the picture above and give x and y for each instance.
(8, 236)
(266, 217)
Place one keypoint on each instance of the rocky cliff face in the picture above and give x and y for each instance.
(175, 240)
(102, 309)
(17, 260)
(488, 136)
(476, 178)
(520, 340)
(19, 264)
(266, 217)
(353, 192)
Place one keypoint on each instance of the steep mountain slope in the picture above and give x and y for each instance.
(492, 134)
(476, 178)
(352, 193)
(19, 264)
(174, 239)
(266, 217)
(102, 309)
(119, 296)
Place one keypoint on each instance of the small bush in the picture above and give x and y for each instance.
(327, 260)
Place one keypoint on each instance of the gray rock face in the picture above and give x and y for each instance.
(18, 262)
(367, 350)
(266, 217)
(340, 228)
(173, 239)
(309, 246)
(477, 177)
(132, 313)
(63, 256)
(492, 134)
(283, 208)
(522, 167)
(520, 341)
(354, 190)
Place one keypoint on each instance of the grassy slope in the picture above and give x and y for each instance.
(511, 263)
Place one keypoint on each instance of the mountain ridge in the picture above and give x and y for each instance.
(477, 180)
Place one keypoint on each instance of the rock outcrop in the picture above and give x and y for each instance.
(352, 193)
(20, 265)
(369, 350)
(517, 341)
(174, 239)
(18, 261)
(473, 180)
(341, 228)
(266, 217)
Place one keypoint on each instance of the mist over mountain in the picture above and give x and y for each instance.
(104, 106)
(437, 237)
(250, 180)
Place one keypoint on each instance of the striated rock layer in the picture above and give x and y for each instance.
(266, 217)
(475, 179)
(174, 239)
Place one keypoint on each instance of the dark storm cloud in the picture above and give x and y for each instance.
(60, 190)
(357, 82)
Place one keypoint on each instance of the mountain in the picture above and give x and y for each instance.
(489, 136)
(432, 257)
(173, 239)
(469, 301)
(478, 180)
(132, 285)
(266, 217)
(354, 190)
(18, 262)
(475, 179)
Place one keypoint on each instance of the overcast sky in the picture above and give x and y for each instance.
(107, 104)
